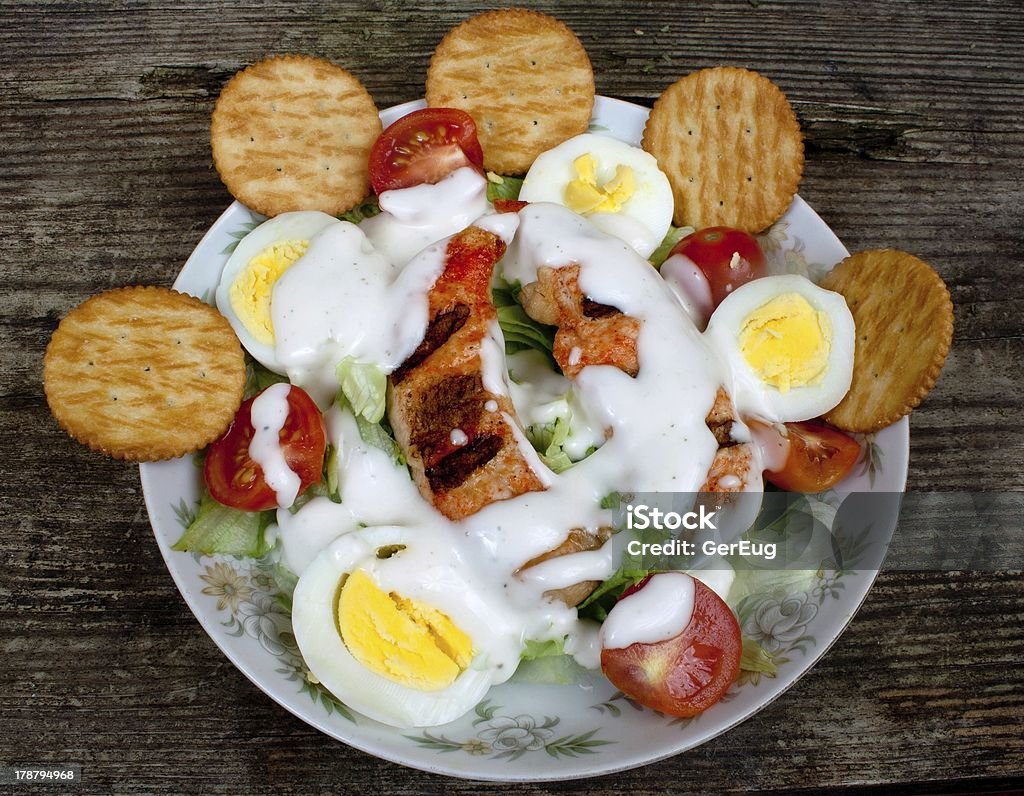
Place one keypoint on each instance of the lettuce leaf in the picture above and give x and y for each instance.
(552, 670)
(365, 387)
(499, 187)
(368, 209)
(543, 649)
(549, 440)
(378, 436)
(521, 332)
(672, 237)
(546, 663)
(220, 529)
(258, 378)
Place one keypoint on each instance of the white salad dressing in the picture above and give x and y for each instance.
(345, 298)
(660, 610)
(413, 218)
(269, 413)
(690, 286)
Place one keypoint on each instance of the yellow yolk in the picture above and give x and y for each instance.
(787, 342)
(584, 195)
(404, 640)
(251, 291)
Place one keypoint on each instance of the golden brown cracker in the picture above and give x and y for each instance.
(731, 146)
(523, 76)
(144, 373)
(294, 133)
(904, 320)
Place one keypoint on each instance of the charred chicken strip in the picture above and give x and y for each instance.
(578, 541)
(459, 438)
(589, 333)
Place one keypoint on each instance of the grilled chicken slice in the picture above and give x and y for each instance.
(459, 439)
(578, 541)
(591, 333)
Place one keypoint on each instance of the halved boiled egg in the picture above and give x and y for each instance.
(618, 187)
(247, 281)
(397, 627)
(789, 346)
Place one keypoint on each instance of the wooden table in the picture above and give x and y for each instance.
(912, 114)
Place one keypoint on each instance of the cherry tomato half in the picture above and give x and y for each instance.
(728, 257)
(819, 458)
(424, 147)
(235, 480)
(688, 673)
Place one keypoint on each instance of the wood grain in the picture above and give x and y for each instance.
(912, 116)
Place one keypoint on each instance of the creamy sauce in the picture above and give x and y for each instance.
(346, 298)
(690, 286)
(660, 610)
(269, 413)
(413, 218)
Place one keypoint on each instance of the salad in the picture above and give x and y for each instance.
(600, 374)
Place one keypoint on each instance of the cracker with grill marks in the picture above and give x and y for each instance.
(144, 373)
(731, 146)
(523, 76)
(904, 320)
(294, 133)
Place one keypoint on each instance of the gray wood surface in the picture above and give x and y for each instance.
(912, 113)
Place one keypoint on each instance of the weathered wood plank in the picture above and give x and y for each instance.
(912, 115)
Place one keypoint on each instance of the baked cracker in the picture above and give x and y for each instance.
(523, 76)
(731, 147)
(144, 373)
(294, 132)
(904, 321)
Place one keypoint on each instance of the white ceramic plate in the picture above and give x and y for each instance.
(520, 732)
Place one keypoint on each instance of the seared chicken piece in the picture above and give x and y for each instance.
(578, 541)
(459, 438)
(589, 333)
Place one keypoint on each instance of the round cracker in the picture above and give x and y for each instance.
(294, 133)
(731, 146)
(523, 76)
(904, 320)
(144, 373)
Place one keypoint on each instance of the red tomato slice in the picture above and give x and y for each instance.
(688, 673)
(424, 147)
(236, 480)
(819, 458)
(713, 251)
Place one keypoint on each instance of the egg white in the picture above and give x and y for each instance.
(752, 396)
(300, 225)
(316, 630)
(645, 216)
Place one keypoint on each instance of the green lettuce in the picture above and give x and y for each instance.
(368, 209)
(380, 436)
(258, 378)
(546, 663)
(549, 440)
(221, 529)
(365, 388)
(672, 237)
(499, 187)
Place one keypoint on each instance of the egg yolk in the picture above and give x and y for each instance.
(404, 640)
(252, 289)
(787, 342)
(584, 195)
